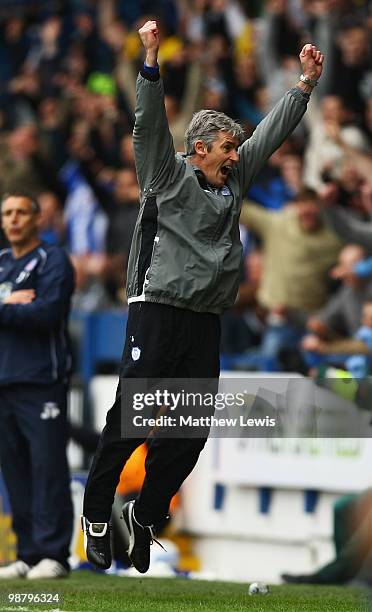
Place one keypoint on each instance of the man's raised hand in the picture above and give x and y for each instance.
(149, 35)
(311, 61)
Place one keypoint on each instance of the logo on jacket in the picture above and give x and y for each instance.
(225, 191)
(136, 353)
(50, 411)
(22, 276)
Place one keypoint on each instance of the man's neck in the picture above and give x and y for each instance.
(22, 249)
(199, 172)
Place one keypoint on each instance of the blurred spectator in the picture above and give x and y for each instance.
(86, 223)
(22, 162)
(353, 62)
(352, 540)
(124, 212)
(127, 151)
(298, 252)
(243, 326)
(45, 54)
(248, 84)
(51, 227)
(346, 224)
(283, 186)
(83, 39)
(13, 49)
(90, 293)
(358, 161)
(52, 121)
(342, 314)
(352, 352)
(338, 26)
(324, 155)
(280, 38)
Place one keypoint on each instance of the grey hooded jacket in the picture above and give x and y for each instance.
(186, 249)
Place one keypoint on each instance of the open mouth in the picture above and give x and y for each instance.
(225, 170)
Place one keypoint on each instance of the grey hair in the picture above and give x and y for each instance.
(205, 125)
(35, 206)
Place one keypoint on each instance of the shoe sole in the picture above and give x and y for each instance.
(127, 516)
(83, 526)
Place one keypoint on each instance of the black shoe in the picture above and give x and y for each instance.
(300, 578)
(97, 543)
(140, 539)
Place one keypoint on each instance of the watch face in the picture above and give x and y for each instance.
(308, 81)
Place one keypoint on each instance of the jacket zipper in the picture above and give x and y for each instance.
(215, 239)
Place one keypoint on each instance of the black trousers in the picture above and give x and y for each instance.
(161, 342)
(33, 460)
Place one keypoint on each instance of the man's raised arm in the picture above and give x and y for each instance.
(153, 144)
(282, 120)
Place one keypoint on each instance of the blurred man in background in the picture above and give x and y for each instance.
(36, 283)
(298, 252)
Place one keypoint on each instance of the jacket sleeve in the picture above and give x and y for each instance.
(348, 227)
(270, 134)
(333, 314)
(153, 144)
(53, 292)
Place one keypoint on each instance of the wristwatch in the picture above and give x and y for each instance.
(308, 81)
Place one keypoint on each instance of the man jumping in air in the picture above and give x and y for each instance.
(183, 272)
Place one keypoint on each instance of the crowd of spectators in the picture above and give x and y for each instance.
(67, 94)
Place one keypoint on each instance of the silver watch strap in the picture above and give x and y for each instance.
(308, 81)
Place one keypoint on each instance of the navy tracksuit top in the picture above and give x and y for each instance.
(34, 345)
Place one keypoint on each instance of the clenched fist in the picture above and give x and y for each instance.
(311, 61)
(149, 34)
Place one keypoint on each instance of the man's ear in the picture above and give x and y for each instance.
(200, 148)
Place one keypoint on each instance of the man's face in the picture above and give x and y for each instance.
(217, 163)
(333, 109)
(308, 216)
(19, 221)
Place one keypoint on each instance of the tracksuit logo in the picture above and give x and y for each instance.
(50, 411)
(136, 353)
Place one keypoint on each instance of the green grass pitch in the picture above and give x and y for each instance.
(92, 592)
